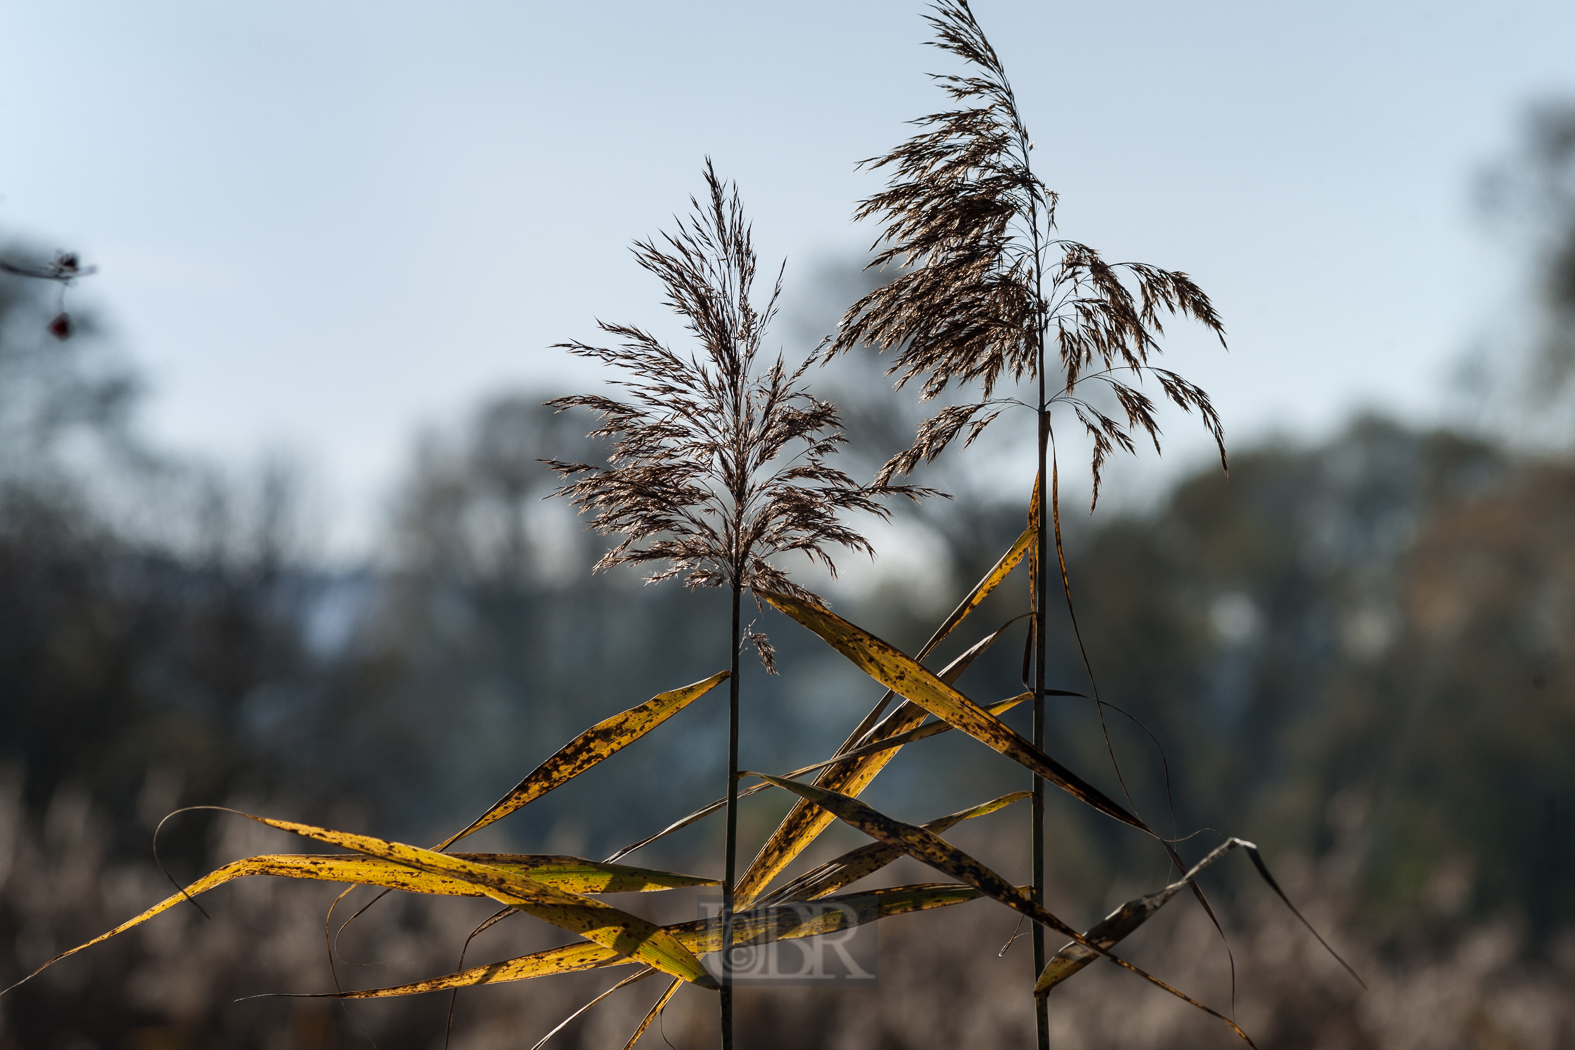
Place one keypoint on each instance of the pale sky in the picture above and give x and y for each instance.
(320, 226)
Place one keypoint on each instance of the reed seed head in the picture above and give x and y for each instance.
(987, 290)
(719, 461)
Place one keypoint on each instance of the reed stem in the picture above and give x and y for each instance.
(732, 832)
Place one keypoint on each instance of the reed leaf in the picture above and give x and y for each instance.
(886, 744)
(609, 927)
(866, 860)
(587, 916)
(852, 775)
(981, 590)
(926, 846)
(651, 1014)
(804, 822)
(701, 936)
(578, 875)
(1021, 547)
(569, 874)
(1110, 930)
(889, 666)
(631, 979)
(603, 739)
(847, 773)
(1134, 913)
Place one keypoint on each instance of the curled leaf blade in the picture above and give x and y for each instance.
(1134, 913)
(866, 860)
(1120, 923)
(926, 846)
(791, 920)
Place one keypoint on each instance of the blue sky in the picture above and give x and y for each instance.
(320, 226)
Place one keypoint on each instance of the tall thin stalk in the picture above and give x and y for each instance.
(716, 465)
(985, 285)
(730, 877)
(1037, 813)
(1041, 559)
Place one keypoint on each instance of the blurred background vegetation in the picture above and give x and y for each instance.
(1358, 653)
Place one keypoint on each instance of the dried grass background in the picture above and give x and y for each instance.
(941, 984)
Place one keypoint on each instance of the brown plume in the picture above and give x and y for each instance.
(715, 466)
(986, 284)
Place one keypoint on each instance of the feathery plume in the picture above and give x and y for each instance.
(986, 284)
(716, 466)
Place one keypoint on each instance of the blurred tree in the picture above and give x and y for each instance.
(1530, 195)
(122, 648)
(1369, 638)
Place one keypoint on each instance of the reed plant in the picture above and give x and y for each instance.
(990, 296)
(717, 465)
(720, 467)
